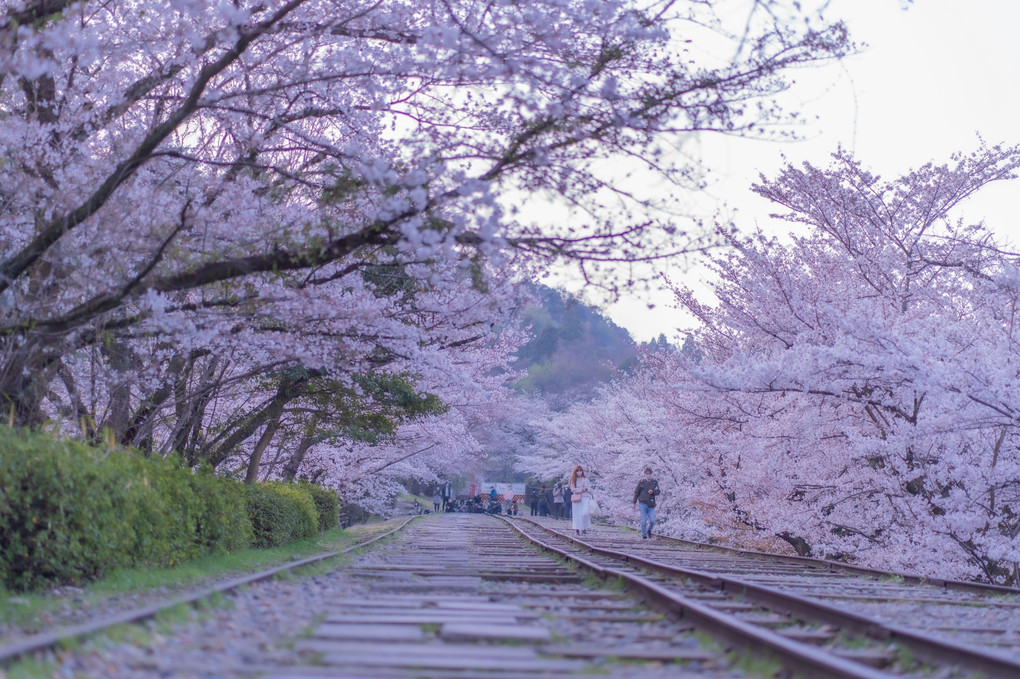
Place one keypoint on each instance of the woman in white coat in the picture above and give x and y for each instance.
(580, 500)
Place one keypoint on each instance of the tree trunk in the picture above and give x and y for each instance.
(275, 412)
(24, 382)
(287, 391)
(799, 544)
(121, 360)
(290, 469)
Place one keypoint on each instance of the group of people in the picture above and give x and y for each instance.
(444, 501)
(571, 501)
(496, 506)
(481, 504)
(443, 498)
(546, 501)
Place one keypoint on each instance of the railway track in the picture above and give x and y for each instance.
(48, 640)
(870, 619)
(461, 596)
(449, 597)
(475, 597)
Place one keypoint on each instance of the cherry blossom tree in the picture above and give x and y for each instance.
(654, 418)
(427, 449)
(205, 169)
(416, 348)
(854, 386)
(284, 237)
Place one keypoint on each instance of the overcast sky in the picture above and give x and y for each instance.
(930, 79)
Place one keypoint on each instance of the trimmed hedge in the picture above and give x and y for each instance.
(280, 513)
(67, 511)
(327, 505)
(223, 521)
(70, 511)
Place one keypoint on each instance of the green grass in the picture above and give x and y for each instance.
(214, 600)
(707, 641)
(31, 669)
(26, 610)
(905, 659)
(69, 644)
(856, 643)
(168, 619)
(755, 665)
(285, 576)
(164, 623)
(306, 632)
(126, 634)
(426, 502)
(615, 584)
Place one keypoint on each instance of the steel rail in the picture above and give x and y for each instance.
(933, 650)
(794, 654)
(47, 640)
(911, 578)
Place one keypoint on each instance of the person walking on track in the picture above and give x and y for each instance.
(580, 499)
(645, 494)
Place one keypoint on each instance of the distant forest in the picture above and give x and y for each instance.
(575, 349)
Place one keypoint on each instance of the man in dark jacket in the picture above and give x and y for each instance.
(543, 501)
(557, 500)
(645, 494)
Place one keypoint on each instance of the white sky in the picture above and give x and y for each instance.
(929, 81)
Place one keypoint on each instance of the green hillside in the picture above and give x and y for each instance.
(574, 350)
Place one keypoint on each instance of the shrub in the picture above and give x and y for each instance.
(223, 522)
(266, 511)
(327, 505)
(166, 512)
(279, 513)
(186, 514)
(64, 514)
(69, 511)
(306, 521)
